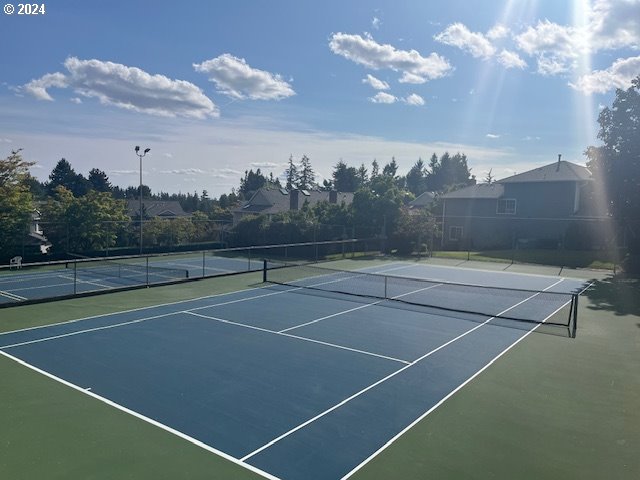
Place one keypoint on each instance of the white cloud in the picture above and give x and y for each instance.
(167, 155)
(618, 75)
(458, 35)
(375, 23)
(367, 52)
(529, 138)
(38, 87)
(6, 140)
(615, 24)
(184, 171)
(414, 99)
(76, 100)
(492, 135)
(123, 172)
(235, 78)
(497, 32)
(265, 164)
(511, 59)
(375, 82)
(550, 66)
(610, 24)
(382, 97)
(126, 87)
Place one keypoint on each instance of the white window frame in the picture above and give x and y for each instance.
(455, 228)
(506, 202)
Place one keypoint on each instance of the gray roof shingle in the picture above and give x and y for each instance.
(480, 191)
(562, 171)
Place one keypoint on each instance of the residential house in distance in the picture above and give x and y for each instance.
(267, 201)
(422, 201)
(545, 207)
(156, 208)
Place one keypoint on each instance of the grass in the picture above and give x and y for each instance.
(551, 407)
(560, 258)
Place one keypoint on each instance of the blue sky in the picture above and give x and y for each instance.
(216, 88)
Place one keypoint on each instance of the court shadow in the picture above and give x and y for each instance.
(617, 295)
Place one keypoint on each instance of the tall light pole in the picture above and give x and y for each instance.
(141, 155)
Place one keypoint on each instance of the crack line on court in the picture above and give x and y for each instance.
(366, 389)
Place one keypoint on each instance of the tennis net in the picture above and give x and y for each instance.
(533, 306)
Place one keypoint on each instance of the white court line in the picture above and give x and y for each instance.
(501, 272)
(140, 416)
(360, 307)
(273, 332)
(88, 330)
(11, 296)
(449, 395)
(366, 389)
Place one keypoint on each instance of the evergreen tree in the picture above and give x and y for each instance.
(292, 174)
(306, 175)
(99, 180)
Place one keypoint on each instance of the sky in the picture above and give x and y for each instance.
(215, 88)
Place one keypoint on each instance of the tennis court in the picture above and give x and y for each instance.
(309, 376)
(70, 278)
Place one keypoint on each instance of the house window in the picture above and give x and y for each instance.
(455, 233)
(507, 206)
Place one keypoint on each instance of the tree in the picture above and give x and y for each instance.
(16, 202)
(616, 163)
(362, 175)
(415, 180)
(291, 174)
(99, 180)
(391, 168)
(345, 178)
(306, 175)
(81, 224)
(251, 182)
(448, 173)
(63, 175)
(375, 169)
(489, 178)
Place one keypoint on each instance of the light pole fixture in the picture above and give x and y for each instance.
(141, 155)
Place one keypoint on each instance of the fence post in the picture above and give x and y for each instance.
(147, 262)
(204, 262)
(75, 277)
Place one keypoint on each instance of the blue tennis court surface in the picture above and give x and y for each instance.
(61, 280)
(292, 383)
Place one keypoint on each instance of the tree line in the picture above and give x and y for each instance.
(81, 213)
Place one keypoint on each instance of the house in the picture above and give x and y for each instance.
(156, 208)
(547, 207)
(268, 201)
(422, 201)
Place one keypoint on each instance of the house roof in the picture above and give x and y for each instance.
(423, 200)
(561, 171)
(270, 201)
(481, 190)
(156, 208)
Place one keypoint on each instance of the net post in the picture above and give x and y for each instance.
(385, 286)
(575, 315)
(264, 271)
(204, 262)
(75, 277)
(147, 269)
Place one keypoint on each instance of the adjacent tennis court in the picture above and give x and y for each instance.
(93, 275)
(310, 375)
